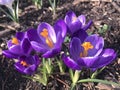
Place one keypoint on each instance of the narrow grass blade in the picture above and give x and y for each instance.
(99, 81)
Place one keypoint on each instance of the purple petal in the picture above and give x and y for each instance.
(32, 61)
(8, 54)
(97, 43)
(87, 62)
(60, 40)
(50, 29)
(106, 57)
(20, 35)
(19, 67)
(9, 43)
(75, 48)
(6, 2)
(60, 26)
(69, 17)
(87, 25)
(73, 25)
(33, 35)
(26, 46)
(82, 19)
(81, 35)
(70, 62)
(56, 49)
(30, 70)
(16, 49)
(51, 53)
(22, 58)
(38, 61)
(39, 47)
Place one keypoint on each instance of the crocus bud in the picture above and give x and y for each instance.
(7, 3)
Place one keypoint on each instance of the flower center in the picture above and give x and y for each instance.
(44, 33)
(15, 41)
(74, 19)
(23, 63)
(86, 46)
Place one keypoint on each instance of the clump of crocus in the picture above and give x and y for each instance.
(75, 23)
(18, 46)
(47, 39)
(88, 54)
(27, 64)
(85, 51)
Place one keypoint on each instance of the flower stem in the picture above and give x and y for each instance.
(75, 78)
(94, 75)
(48, 66)
(53, 5)
(14, 11)
(99, 81)
(60, 64)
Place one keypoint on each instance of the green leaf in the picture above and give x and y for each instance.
(100, 31)
(99, 81)
(93, 76)
(71, 74)
(9, 15)
(17, 9)
(29, 77)
(67, 39)
(38, 78)
(105, 27)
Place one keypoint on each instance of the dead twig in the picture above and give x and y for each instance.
(3, 83)
(7, 29)
(63, 83)
(64, 6)
(7, 26)
(116, 6)
(5, 32)
(75, 2)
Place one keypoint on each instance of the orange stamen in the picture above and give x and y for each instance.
(86, 46)
(49, 42)
(15, 41)
(44, 33)
(74, 18)
(23, 63)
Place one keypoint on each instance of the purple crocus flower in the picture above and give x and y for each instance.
(27, 65)
(47, 39)
(7, 3)
(18, 46)
(88, 54)
(75, 23)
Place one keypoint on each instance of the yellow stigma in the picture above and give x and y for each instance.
(86, 46)
(44, 33)
(74, 19)
(24, 63)
(15, 41)
(49, 42)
